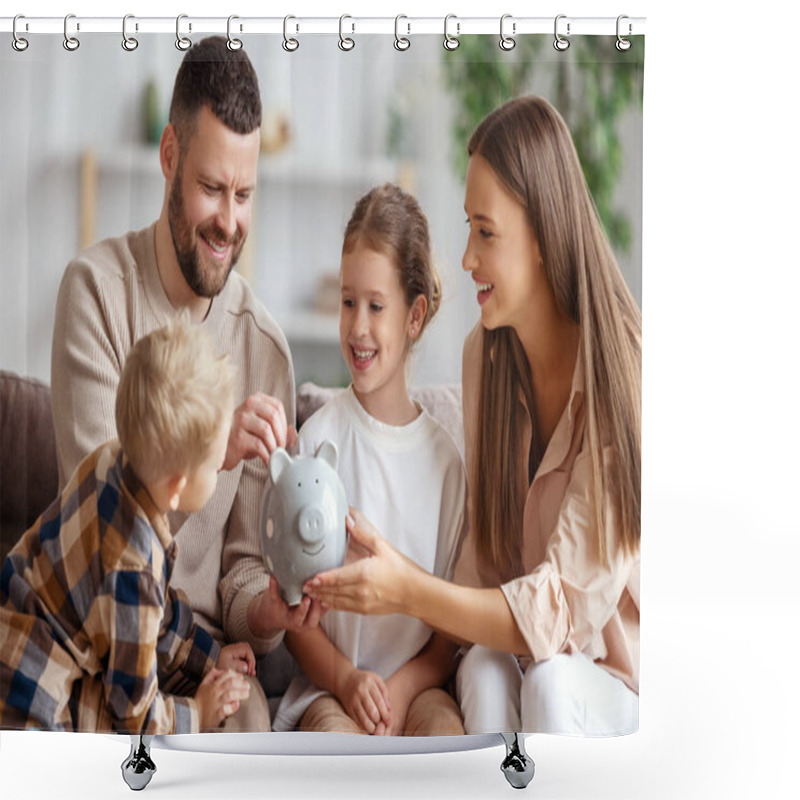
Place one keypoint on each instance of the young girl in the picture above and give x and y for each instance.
(381, 675)
(548, 581)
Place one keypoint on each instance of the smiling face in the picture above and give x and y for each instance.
(376, 326)
(210, 202)
(502, 252)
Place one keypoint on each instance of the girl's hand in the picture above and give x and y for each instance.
(259, 426)
(238, 657)
(365, 698)
(375, 584)
(399, 701)
(218, 696)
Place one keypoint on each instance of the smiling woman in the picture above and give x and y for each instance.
(547, 585)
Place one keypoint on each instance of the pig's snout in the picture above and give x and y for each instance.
(311, 525)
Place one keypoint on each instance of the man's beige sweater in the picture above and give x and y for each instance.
(110, 296)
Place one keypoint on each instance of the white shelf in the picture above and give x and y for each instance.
(285, 167)
(310, 327)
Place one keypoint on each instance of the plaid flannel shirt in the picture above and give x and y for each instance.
(92, 636)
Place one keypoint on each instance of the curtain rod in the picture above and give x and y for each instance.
(402, 25)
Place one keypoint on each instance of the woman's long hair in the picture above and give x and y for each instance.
(528, 146)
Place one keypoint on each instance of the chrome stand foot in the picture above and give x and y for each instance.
(518, 766)
(138, 768)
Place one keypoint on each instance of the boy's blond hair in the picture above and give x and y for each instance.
(174, 394)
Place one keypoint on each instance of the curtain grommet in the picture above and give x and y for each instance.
(346, 43)
(19, 43)
(507, 42)
(233, 43)
(183, 43)
(70, 43)
(560, 42)
(290, 44)
(401, 43)
(622, 44)
(129, 43)
(450, 42)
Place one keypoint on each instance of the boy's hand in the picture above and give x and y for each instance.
(218, 696)
(239, 657)
(259, 426)
(366, 700)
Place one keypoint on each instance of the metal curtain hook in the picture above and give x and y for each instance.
(128, 42)
(18, 43)
(560, 43)
(289, 44)
(345, 42)
(181, 42)
(401, 42)
(70, 42)
(233, 43)
(507, 42)
(622, 43)
(451, 42)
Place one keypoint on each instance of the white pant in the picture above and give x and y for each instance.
(567, 694)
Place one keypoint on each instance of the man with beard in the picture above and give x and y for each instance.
(120, 289)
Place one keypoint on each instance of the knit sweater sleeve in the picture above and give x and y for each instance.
(244, 576)
(85, 368)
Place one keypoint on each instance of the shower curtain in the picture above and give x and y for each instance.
(341, 114)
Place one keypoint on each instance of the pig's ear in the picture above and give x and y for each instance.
(278, 462)
(328, 453)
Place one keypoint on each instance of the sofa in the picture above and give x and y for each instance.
(28, 465)
(28, 461)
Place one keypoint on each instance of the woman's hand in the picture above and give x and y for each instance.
(259, 426)
(365, 698)
(375, 584)
(239, 657)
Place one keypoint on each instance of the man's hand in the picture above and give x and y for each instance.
(238, 657)
(259, 426)
(268, 613)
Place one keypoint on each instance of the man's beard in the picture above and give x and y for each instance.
(204, 282)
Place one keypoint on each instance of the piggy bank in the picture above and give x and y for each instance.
(303, 515)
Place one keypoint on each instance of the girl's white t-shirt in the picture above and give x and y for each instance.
(410, 482)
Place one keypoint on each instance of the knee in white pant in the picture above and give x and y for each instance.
(547, 698)
(488, 684)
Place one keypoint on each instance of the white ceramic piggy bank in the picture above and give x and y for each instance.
(303, 515)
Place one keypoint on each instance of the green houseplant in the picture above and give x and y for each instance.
(591, 83)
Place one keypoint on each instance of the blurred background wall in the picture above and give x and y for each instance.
(79, 133)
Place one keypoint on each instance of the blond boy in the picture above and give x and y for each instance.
(92, 635)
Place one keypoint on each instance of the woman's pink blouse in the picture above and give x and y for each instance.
(568, 600)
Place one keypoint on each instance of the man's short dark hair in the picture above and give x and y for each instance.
(222, 79)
